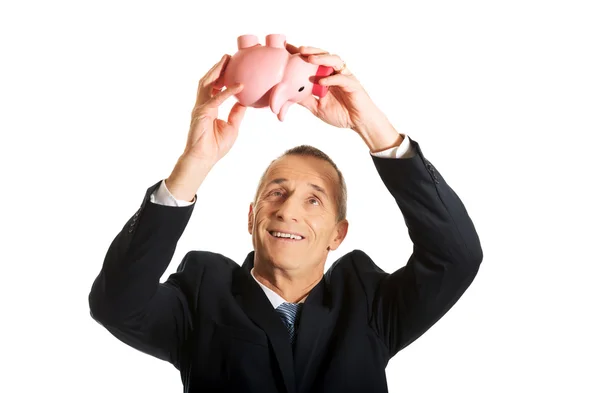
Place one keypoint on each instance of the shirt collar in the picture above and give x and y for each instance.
(275, 299)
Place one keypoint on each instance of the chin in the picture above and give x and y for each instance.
(283, 259)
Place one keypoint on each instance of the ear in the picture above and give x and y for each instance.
(250, 219)
(341, 230)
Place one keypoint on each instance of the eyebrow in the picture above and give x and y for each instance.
(282, 180)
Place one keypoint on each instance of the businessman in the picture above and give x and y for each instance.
(278, 322)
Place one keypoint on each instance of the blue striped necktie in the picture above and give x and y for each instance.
(288, 313)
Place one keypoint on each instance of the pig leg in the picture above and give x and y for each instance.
(276, 41)
(247, 41)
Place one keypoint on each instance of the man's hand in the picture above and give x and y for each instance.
(347, 104)
(209, 138)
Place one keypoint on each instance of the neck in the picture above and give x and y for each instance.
(292, 286)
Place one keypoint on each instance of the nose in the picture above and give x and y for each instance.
(288, 210)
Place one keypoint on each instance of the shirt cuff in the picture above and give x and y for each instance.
(404, 150)
(162, 196)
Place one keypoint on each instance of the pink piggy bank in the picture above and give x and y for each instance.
(271, 75)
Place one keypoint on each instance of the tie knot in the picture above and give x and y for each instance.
(289, 315)
(288, 312)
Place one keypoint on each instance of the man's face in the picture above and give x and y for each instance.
(294, 220)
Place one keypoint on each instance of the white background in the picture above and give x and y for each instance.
(504, 98)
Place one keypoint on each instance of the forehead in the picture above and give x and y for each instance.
(303, 169)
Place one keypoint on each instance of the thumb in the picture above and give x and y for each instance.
(225, 133)
(236, 115)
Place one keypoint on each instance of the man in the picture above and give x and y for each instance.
(277, 323)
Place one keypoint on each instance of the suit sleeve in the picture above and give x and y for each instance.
(127, 297)
(446, 253)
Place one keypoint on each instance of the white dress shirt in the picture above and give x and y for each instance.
(162, 196)
(275, 299)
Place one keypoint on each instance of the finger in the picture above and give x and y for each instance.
(221, 96)
(236, 115)
(220, 80)
(327, 60)
(217, 69)
(292, 49)
(347, 82)
(207, 82)
(218, 84)
(311, 50)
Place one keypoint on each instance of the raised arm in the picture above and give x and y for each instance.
(446, 254)
(127, 297)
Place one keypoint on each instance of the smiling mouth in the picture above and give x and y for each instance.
(285, 236)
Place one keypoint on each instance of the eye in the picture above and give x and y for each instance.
(300, 89)
(314, 201)
(275, 192)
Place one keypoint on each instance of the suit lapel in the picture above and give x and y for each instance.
(254, 302)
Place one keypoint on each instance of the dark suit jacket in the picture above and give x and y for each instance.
(214, 323)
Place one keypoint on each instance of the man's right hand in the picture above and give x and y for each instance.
(209, 138)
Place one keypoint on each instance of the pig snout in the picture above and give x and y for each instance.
(318, 90)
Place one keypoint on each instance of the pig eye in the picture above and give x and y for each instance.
(300, 89)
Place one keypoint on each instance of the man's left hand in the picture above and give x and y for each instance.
(347, 104)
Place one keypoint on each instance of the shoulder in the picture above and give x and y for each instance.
(205, 266)
(206, 260)
(355, 262)
(354, 276)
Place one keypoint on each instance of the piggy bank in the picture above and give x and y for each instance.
(272, 77)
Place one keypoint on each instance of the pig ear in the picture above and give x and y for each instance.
(278, 97)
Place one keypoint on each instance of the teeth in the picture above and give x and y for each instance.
(287, 235)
